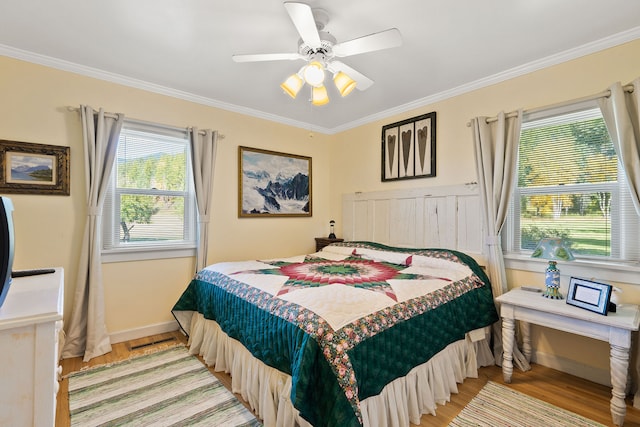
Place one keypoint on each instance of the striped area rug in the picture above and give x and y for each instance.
(499, 406)
(166, 388)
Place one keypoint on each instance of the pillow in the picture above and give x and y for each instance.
(342, 250)
(331, 256)
(431, 262)
(384, 256)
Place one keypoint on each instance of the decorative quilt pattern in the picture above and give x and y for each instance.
(354, 271)
(346, 296)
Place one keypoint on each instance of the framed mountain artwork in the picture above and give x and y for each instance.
(272, 184)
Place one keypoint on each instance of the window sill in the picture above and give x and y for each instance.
(140, 254)
(599, 270)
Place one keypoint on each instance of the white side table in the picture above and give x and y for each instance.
(615, 328)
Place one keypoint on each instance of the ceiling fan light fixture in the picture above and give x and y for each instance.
(313, 74)
(319, 95)
(344, 83)
(292, 85)
(319, 49)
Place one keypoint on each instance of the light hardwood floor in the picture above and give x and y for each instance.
(566, 391)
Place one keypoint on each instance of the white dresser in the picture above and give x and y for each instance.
(30, 322)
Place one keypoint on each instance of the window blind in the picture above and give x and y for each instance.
(570, 185)
(150, 201)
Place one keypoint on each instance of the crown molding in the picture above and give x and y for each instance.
(72, 67)
(580, 51)
(586, 49)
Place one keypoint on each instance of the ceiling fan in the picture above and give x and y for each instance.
(319, 49)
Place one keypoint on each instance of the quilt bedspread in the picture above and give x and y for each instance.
(345, 321)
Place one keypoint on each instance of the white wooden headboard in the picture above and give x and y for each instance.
(435, 217)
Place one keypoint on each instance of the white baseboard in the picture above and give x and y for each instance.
(145, 331)
(597, 375)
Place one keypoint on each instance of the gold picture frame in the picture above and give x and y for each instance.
(28, 168)
(273, 184)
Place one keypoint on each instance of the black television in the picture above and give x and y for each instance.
(7, 246)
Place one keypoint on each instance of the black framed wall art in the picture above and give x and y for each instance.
(409, 148)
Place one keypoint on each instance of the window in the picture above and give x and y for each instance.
(149, 210)
(570, 185)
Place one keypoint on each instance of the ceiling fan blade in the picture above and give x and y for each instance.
(267, 57)
(302, 17)
(376, 41)
(362, 82)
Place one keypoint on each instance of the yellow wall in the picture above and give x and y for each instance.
(137, 294)
(49, 228)
(455, 162)
(455, 158)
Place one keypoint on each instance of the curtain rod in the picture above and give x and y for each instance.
(605, 94)
(142, 122)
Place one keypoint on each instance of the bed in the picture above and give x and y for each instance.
(359, 333)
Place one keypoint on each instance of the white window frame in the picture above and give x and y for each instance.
(113, 250)
(612, 269)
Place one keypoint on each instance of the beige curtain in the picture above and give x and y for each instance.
(203, 159)
(496, 152)
(87, 332)
(621, 112)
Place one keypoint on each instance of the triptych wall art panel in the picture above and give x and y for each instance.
(409, 148)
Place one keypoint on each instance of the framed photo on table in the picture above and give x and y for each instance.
(590, 295)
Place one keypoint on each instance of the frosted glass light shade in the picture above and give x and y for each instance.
(292, 85)
(319, 96)
(344, 83)
(314, 74)
(553, 248)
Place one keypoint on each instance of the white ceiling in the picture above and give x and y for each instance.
(183, 48)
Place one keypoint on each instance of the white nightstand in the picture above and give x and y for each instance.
(615, 328)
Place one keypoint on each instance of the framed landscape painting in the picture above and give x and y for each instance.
(27, 168)
(409, 148)
(272, 184)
